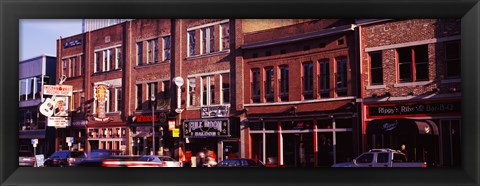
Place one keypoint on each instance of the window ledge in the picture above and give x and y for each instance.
(105, 72)
(445, 81)
(411, 84)
(150, 65)
(208, 54)
(375, 87)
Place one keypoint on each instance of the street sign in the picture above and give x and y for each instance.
(69, 139)
(34, 141)
(176, 133)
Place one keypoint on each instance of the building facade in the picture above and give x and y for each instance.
(292, 93)
(33, 74)
(411, 88)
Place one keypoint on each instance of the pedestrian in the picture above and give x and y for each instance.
(200, 159)
(188, 159)
(210, 162)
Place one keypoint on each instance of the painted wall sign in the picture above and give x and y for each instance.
(58, 90)
(144, 118)
(214, 111)
(430, 108)
(101, 97)
(72, 43)
(206, 128)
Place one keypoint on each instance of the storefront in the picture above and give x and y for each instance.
(220, 135)
(112, 137)
(428, 130)
(141, 138)
(311, 141)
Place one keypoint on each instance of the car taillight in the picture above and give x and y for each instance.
(164, 164)
(110, 163)
(34, 159)
(70, 160)
(424, 164)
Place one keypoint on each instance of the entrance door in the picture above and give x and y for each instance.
(298, 149)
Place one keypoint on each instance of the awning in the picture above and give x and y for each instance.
(402, 126)
(142, 135)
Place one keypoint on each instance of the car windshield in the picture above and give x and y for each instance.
(25, 154)
(146, 158)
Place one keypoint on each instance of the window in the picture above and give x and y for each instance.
(82, 65)
(413, 63)
(341, 76)
(283, 51)
(152, 90)
(119, 103)
(74, 66)
(166, 89)
(365, 158)
(118, 58)
(256, 85)
(139, 97)
(376, 69)
(207, 40)
(284, 83)
(382, 158)
(97, 62)
(111, 100)
(324, 79)
(191, 43)
(69, 62)
(208, 90)
(64, 67)
(268, 53)
(225, 36)
(191, 92)
(31, 88)
(39, 87)
(452, 58)
(254, 55)
(152, 51)
(269, 79)
(139, 53)
(23, 89)
(111, 60)
(340, 42)
(106, 59)
(166, 48)
(307, 80)
(226, 88)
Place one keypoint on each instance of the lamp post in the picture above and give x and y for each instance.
(152, 99)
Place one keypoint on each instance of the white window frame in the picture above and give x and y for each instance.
(190, 94)
(206, 31)
(118, 50)
(221, 36)
(208, 80)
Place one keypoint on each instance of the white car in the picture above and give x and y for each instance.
(161, 161)
(381, 158)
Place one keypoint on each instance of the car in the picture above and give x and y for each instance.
(120, 160)
(64, 158)
(26, 159)
(381, 158)
(156, 161)
(240, 162)
(95, 158)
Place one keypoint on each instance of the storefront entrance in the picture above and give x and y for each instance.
(298, 149)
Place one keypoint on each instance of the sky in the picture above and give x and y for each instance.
(39, 36)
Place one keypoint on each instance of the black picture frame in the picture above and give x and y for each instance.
(12, 11)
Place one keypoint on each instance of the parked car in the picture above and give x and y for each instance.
(240, 162)
(64, 158)
(120, 161)
(26, 159)
(156, 161)
(95, 158)
(381, 158)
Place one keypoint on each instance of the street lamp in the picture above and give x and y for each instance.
(152, 99)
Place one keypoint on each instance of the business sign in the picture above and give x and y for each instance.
(58, 122)
(430, 108)
(69, 139)
(40, 160)
(58, 90)
(176, 133)
(214, 112)
(144, 118)
(206, 128)
(171, 124)
(34, 141)
(72, 43)
(101, 97)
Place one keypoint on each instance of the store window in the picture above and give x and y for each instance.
(452, 59)
(255, 85)
(207, 40)
(324, 78)
(166, 48)
(376, 69)
(191, 43)
(139, 53)
(307, 79)
(269, 80)
(225, 88)
(341, 76)
(413, 63)
(225, 36)
(284, 83)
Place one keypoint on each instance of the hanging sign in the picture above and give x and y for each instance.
(176, 133)
(206, 128)
(101, 97)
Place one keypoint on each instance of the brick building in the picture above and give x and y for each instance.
(300, 92)
(411, 87)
